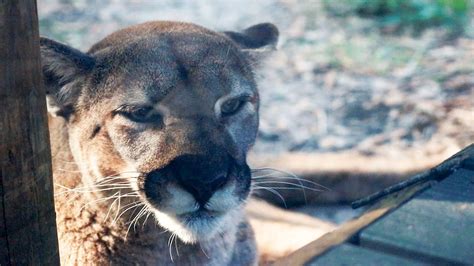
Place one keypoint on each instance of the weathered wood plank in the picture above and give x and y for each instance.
(28, 229)
(347, 254)
(349, 229)
(436, 226)
(437, 173)
(3, 239)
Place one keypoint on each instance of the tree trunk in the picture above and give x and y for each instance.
(27, 218)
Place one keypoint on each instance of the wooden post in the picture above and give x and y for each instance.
(27, 218)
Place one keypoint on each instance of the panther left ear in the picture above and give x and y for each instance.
(62, 65)
(259, 36)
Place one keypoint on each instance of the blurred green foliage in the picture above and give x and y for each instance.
(415, 14)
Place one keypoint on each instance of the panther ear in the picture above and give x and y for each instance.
(255, 37)
(62, 66)
(256, 40)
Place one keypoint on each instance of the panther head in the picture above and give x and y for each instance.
(175, 103)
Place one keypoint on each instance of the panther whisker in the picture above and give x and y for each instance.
(87, 187)
(118, 199)
(96, 201)
(135, 220)
(285, 188)
(290, 175)
(120, 208)
(118, 176)
(149, 212)
(142, 213)
(272, 191)
(281, 171)
(202, 249)
(170, 240)
(288, 183)
(267, 175)
(134, 205)
(176, 245)
(117, 194)
(292, 178)
(92, 190)
(114, 179)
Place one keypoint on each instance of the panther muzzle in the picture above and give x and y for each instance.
(201, 176)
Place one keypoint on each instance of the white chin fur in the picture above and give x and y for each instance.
(197, 230)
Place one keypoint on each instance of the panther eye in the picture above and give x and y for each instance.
(141, 114)
(232, 106)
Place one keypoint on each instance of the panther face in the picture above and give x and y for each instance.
(166, 112)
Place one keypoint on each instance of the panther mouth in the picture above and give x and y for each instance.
(200, 214)
(199, 220)
(198, 226)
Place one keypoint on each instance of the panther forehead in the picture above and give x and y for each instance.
(155, 63)
(187, 45)
(148, 29)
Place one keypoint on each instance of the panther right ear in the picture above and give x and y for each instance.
(259, 36)
(256, 41)
(62, 66)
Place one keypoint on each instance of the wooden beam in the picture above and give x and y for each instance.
(349, 229)
(27, 218)
(436, 226)
(451, 198)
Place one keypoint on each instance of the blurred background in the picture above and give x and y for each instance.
(359, 95)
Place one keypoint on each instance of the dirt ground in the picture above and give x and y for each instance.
(335, 85)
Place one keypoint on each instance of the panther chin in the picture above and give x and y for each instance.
(201, 225)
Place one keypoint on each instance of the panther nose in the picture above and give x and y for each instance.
(203, 191)
(200, 176)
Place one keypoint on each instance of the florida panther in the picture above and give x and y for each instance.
(150, 130)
